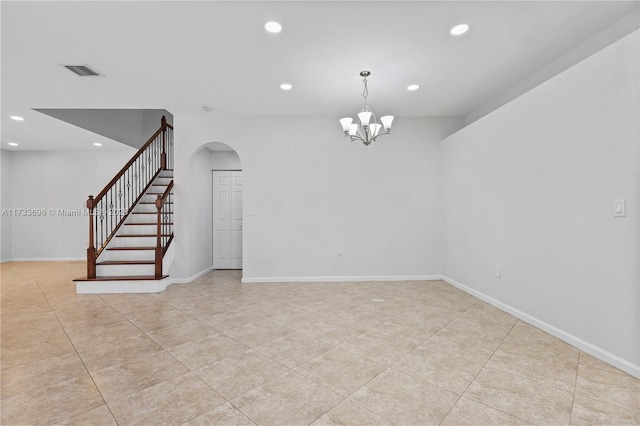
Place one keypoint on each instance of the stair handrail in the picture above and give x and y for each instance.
(164, 126)
(164, 230)
(120, 207)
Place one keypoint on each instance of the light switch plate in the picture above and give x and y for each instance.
(619, 208)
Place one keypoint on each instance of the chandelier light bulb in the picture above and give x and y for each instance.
(366, 127)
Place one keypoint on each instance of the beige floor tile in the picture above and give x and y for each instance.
(467, 412)
(206, 351)
(39, 374)
(338, 346)
(144, 371)
(381, 347)
(587, 411)
(289, 399)
(86, 337)
(294, 349)
(52, 403)
(223, 415)
(349, 413)
(118, 352)
(444, 370)
(525, 338)
(140, 306)
(487, 312)
(480, 327)
(527, 399)
(21, 323)
(340, 370)
(172, 402)
(589, 362)
(607, 385)
(556, 370)
(257, 333)
(76, 302)
(182, 333)
(240, 373)
(465, 345)
(89, 315)
(32, 327)
(24, 352)
(231, 319)
(163, 319)
(405, 400)
(100, 416)
(330, 330)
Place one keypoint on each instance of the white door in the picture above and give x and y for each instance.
(227, 220)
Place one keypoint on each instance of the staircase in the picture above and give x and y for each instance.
(131, 224)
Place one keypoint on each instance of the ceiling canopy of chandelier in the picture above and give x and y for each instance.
(366, 128)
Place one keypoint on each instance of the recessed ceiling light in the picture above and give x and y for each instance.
(207, 108)
(459, 29)
(413, 87)
(15, 117)
(12, 144)
(97, 144)
(286, 86)
(273, 27)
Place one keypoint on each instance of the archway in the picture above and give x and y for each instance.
(210, 165)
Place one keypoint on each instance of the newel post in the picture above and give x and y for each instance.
(91, 250)
(159, 253)
(163, 155)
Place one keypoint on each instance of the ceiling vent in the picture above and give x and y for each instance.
(82, 70)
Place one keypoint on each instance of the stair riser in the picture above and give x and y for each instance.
(153, 197)
(142, 218)
(139, 229)
(134, 242)
(149, 208)
(126, 255)
(124, 270)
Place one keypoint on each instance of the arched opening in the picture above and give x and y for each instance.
(216, 171)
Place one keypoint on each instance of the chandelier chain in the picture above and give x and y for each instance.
(365, 92)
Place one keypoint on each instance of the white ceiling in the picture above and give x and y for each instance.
(183, 55)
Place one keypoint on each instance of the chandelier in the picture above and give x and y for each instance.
(366, 128)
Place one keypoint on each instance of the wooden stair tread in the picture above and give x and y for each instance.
(122, 278)
(150, 223)
(131, 248)
(127, 262)
(151, 213)
(140, 235)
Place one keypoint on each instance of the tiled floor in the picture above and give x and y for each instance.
(218, 352)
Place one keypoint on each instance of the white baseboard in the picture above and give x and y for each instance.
(344, 278)
(587, 347)
(191, 278)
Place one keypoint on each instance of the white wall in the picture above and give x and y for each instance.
(313, 194)
(530, 188)
(6, 203)
(225, 160)
(57, 180)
